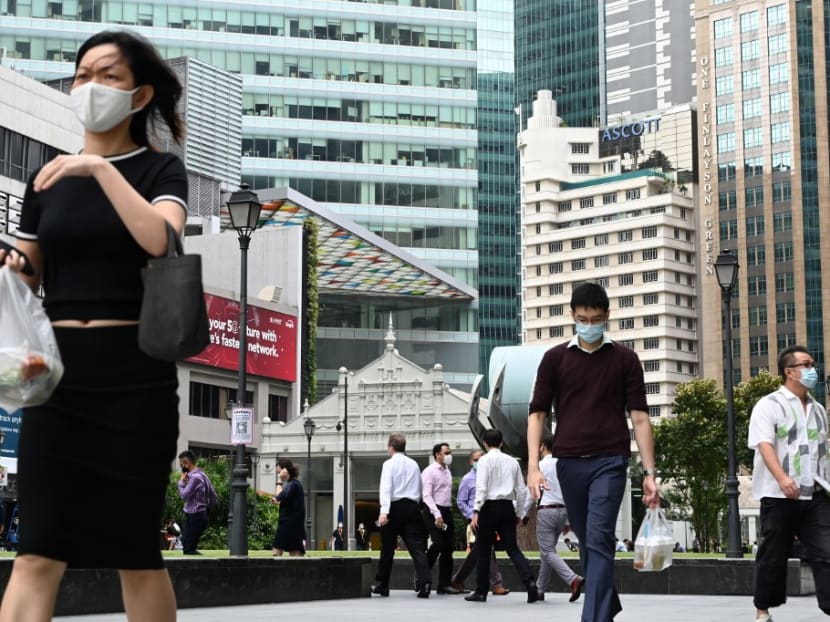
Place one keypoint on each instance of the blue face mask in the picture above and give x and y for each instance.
(590, 333)
(809, 377)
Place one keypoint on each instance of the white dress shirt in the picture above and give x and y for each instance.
(498, 477)
(400, 478)
(554, 493)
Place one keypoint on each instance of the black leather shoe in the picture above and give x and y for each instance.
(448, 590)
(424, 591)
(380, 590)
(476, 598)
(532, 593)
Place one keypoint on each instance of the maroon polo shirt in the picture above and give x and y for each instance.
(591, 394)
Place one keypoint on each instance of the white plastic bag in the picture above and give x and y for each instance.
(30, 363)
(654, 543)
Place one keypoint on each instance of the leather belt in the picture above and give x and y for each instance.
(553, 506)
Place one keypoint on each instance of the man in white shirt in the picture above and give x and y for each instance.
(500, 490)
(400, 498)
(788, 431)
(552, 520)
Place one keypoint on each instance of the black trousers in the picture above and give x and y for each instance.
(499, 516)
(194, 526)
(781, 521)
(442, 545)
(405, 521)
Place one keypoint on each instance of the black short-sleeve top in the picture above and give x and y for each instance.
(92, 264)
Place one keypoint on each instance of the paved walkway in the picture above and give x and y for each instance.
(403, 606)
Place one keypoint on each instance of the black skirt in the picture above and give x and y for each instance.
(95, 460)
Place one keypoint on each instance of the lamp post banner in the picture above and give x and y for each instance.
(242, 425)
(272, 340)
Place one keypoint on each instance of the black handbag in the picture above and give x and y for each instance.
(173, 323)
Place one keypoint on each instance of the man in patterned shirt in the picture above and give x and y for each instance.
(788, 431)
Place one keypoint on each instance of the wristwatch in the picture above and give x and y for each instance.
(649, 472)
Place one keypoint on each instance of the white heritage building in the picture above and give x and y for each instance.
(391, 394)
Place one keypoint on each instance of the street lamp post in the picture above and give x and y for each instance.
(726, 268)
(345, 425)
(244, 208)
(309, 426)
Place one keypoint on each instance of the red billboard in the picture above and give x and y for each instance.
(272, 340)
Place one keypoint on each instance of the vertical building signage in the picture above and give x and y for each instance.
(708, 161)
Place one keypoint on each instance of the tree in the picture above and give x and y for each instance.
(657, 159)
(691, 452)
(747, 395)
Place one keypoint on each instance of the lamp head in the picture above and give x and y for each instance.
(244, 208)
(726, 269)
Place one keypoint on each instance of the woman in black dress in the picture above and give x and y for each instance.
(89, 223)
(290, 535)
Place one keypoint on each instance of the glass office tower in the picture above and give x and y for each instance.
(497, 181)
(369, 108)
(762, 138)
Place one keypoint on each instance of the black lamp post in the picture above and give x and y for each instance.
(726, 268)
(309, 426)
(244, 208)
(345, 427)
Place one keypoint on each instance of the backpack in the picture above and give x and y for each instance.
(211, 498)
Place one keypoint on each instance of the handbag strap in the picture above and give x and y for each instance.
(174, 242)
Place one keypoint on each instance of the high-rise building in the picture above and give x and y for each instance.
(585, 217)
(498, 284)
(605, 62)
(368, 108)
(762, 141)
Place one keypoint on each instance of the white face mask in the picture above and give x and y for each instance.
(100, 108)
(447, 460)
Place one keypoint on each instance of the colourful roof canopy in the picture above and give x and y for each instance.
(352, 257)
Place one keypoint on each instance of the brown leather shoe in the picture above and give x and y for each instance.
(500, 590)
(458, 585)
(576, 589)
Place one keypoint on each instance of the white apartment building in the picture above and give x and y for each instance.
(633, 232)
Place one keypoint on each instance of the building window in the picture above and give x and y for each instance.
(555, 310)
(758, 315)
(634, 193)
(650, 321)
(750, 50)
(651, 276)
(776, 14)
(758, 346)
(603, 282)
(626, 323)
(723, 28)
(601, 261)
(651, 343)
(727, 171)
(577, 264)
(725, 113)
(728, 229)
(757, 285)
(625, 236)
(725, 85)
(726, 142)
(779, 73)
(756, 255)
(754, 167)
(780, 132)
(782, 221)
(779, 102)
(749, 21)
(278, 408)
(538, 333)
(777, 44)
(649, 254)
(626, 301)
(577, 243)
(785, 312)
(538, 249)
(556, 289)
(580, 169)
(752, 107)
(727, 200)
(723, 56)
(555, 247)
(755, 225)
(609, 197)
(625, 279)
(580, 147)
(586, 202)
(555, 268)
(538, 312)
(783, 252)
(556, 331)
(564, 206)
(538, 186)
(601, 239)
(537, 228)
(782, 161)
(623, 258)
(652, 388)
(651, 299)
(651, 365)
(752, 137)
(628, 343)
(653, 411)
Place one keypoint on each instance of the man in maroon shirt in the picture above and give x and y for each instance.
(591, 382)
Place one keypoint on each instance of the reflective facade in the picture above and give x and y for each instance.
(762, 140)
(497, 181)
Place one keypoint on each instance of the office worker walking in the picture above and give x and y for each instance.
(500, 491)
(437, 497)
(400, 499)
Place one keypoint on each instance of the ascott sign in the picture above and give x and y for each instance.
(637, 128)
(272, 340)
